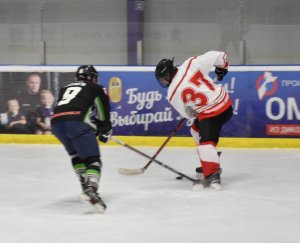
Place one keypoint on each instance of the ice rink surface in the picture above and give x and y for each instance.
(259, 203)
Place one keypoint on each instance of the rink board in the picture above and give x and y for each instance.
(157, 141)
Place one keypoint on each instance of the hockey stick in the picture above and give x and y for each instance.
(139, 171)
(156, 161)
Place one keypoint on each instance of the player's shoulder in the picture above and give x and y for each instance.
(187, 63)
(97, 88)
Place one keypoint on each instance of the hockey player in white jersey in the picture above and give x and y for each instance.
(193, 93)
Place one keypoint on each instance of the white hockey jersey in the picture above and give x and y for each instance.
(193, 93)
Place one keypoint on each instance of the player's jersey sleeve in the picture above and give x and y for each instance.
(101, 110)
(211, 59)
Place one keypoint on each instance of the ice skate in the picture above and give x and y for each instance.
(83, 182)
(199, 173)
(92, 198)
(213, 181)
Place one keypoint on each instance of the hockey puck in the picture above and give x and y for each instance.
(179, 178)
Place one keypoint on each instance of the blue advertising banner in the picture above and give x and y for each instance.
(139, 105)
(265, 101)
(266, 104)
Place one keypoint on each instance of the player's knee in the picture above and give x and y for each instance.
(92, 160)
(209, 140)
(195, 134)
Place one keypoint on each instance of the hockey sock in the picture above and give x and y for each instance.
(93, 169)
(78, 166)
(209, 158)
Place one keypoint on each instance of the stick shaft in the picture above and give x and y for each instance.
(164, 144)
(154, 160)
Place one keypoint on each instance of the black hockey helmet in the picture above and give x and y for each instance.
(165, 71)
(86, 72)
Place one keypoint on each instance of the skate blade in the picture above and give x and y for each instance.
(215, 186)
(203, 186)
(97, 207)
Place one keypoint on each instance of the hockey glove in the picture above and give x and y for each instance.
(221, 72)
(104, 131)
(102, 126)
(105, 137)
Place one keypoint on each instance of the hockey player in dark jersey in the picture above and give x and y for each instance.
(82, 113)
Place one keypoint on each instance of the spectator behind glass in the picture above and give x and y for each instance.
(44, 112)
(30, 99)
(13, 121)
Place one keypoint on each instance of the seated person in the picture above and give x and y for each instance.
(13, 121)
(44, 112)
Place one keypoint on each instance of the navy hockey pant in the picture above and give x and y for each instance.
(77, 138)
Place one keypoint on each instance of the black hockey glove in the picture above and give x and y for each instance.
(105, 137)
(104, 131)
(221, 72)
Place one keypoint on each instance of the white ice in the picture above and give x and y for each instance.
(259, 203)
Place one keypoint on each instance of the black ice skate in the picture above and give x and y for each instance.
(199, 170)
(91, 197)
(199, 173)
(213, 181)
(83, 182)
